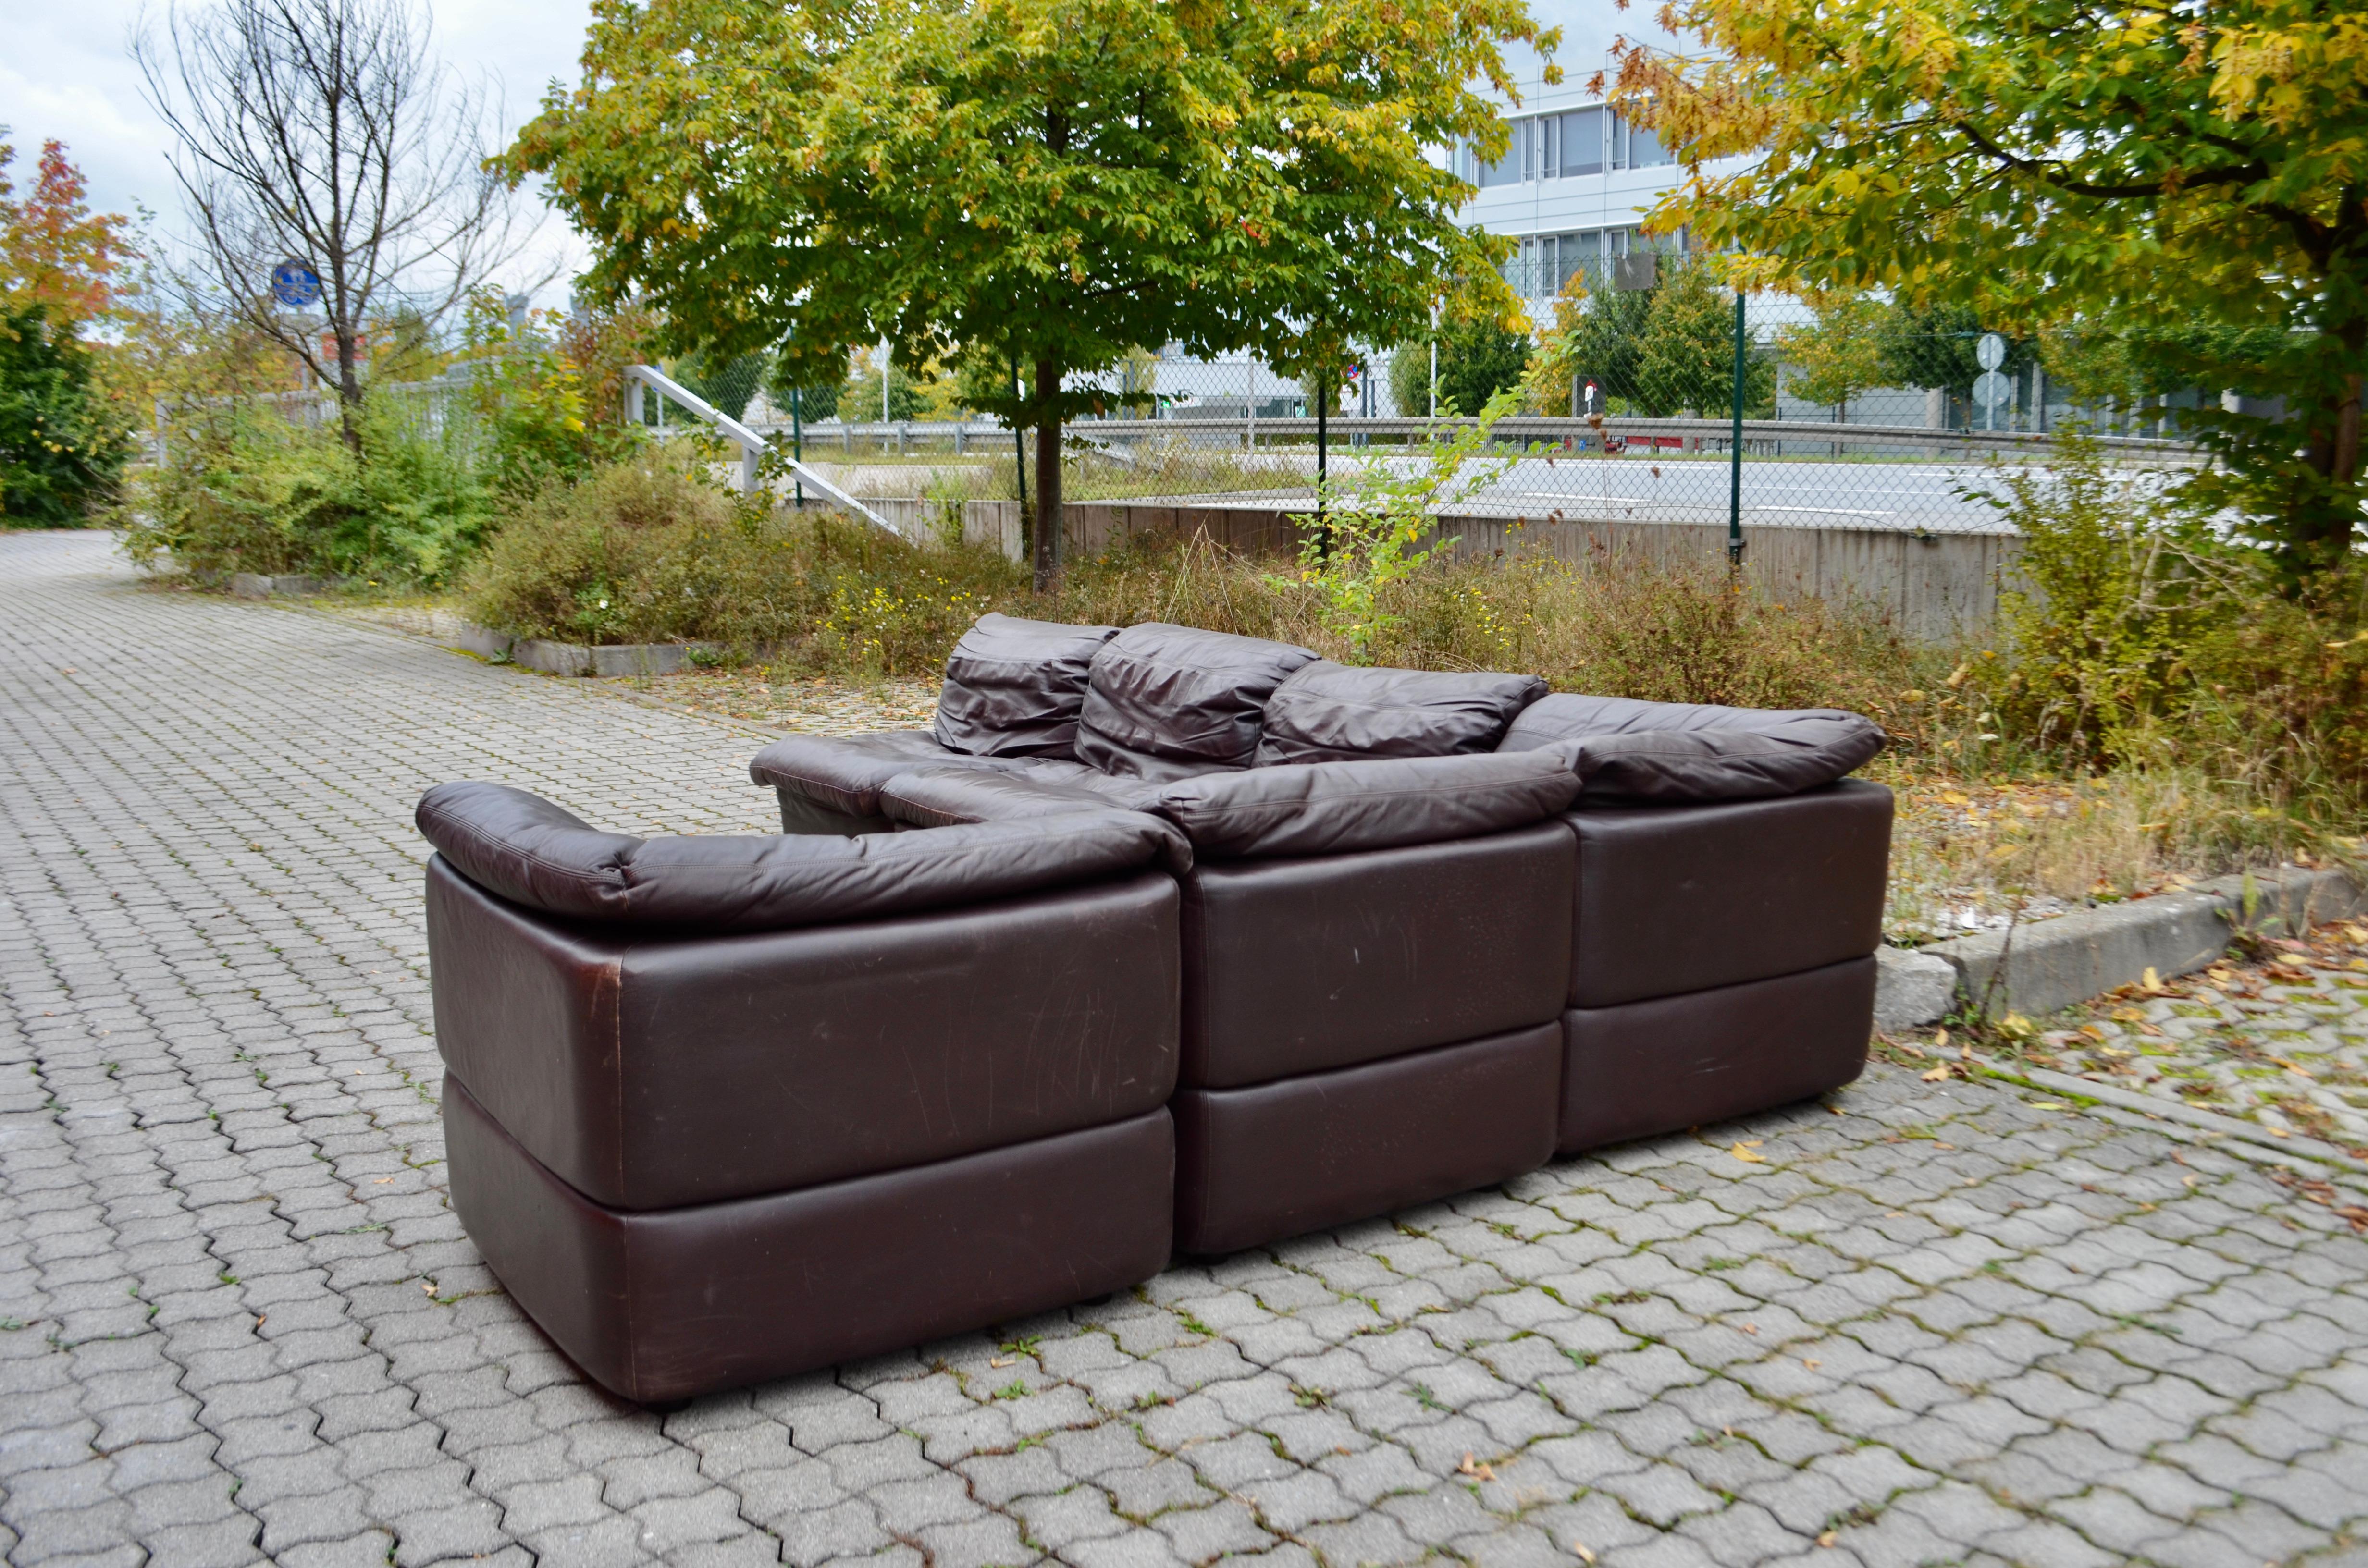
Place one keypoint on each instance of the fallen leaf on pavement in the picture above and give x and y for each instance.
(1743, 1152)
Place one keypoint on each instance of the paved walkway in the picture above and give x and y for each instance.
(237, 1323)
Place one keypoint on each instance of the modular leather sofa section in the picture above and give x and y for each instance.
(1721, 957)
(667, 1305)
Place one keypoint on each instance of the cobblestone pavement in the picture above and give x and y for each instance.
(2283, 1043)
(1927, 1324)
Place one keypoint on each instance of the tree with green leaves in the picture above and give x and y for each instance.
(1029, 190)
(1835, 356)
(61, 450)
(2075, 165)
(1685, 356)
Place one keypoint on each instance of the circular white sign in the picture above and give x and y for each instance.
(1990, 353)
(1990, 389)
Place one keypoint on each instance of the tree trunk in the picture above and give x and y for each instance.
(350, 393)
(2321, 537)
(1049, 518)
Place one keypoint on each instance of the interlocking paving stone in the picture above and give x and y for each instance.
(239, 1323)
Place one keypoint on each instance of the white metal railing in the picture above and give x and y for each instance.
(752, 446)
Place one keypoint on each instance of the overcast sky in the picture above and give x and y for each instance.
(67, 73)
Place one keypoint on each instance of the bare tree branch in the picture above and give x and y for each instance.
(326, 129)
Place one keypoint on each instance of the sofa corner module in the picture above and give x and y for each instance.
(1639, 1069)
(667, 1305)
(526, 1013)
(1680, 898)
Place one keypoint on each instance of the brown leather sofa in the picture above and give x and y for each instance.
(1158, 938)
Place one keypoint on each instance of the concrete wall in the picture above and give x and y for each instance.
(1935, 588)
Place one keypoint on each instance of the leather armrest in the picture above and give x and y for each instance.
(1333, 808)
(531, 852)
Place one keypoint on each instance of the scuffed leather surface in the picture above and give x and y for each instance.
(531, 852)
(1254, 1165)
(1333, 808)
(843, 773)
(1643, 1068)
(1013, 688)
(650, 1074)
(1676, 752)
(1170, 702)
(950, 796)
(1328, 712)
(1681, 898)
(670, 1305)
(1299, 966)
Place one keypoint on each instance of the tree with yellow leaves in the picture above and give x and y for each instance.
(2188, 181)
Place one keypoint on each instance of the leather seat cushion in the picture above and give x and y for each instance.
(1254, 1165)
(1643, 1068)
(1014, 687)
(1328, 712)
(650, 1074)
(666, 1306)
(1683, 898)
(531, 852)
(1170, 702)
(1304, 965)
(1681, 751)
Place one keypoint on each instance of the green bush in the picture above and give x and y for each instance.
(248, 492)
(643, 551)
(2144, 639)
(61, 454)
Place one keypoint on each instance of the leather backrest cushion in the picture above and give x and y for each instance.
(1676, 752)
(953, 797)
(1170, 701)
(525, 849)
(1013, 686)
(1332, 808)
(1328, 712)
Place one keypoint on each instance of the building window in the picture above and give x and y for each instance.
(1564, 146)
(1580, 134)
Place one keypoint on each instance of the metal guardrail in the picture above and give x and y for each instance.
(1342, 430)
(752, 445)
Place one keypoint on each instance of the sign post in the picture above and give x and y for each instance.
(1735, 454)
(1991, 389)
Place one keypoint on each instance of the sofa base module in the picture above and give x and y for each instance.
(1643, 1068)
(664, 1305)
(1256, 1164)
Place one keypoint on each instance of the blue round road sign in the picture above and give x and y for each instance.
(294, 282)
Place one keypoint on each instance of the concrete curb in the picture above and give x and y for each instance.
(592, 659)
(255, 585)
(2049, 965)
(450, 631)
